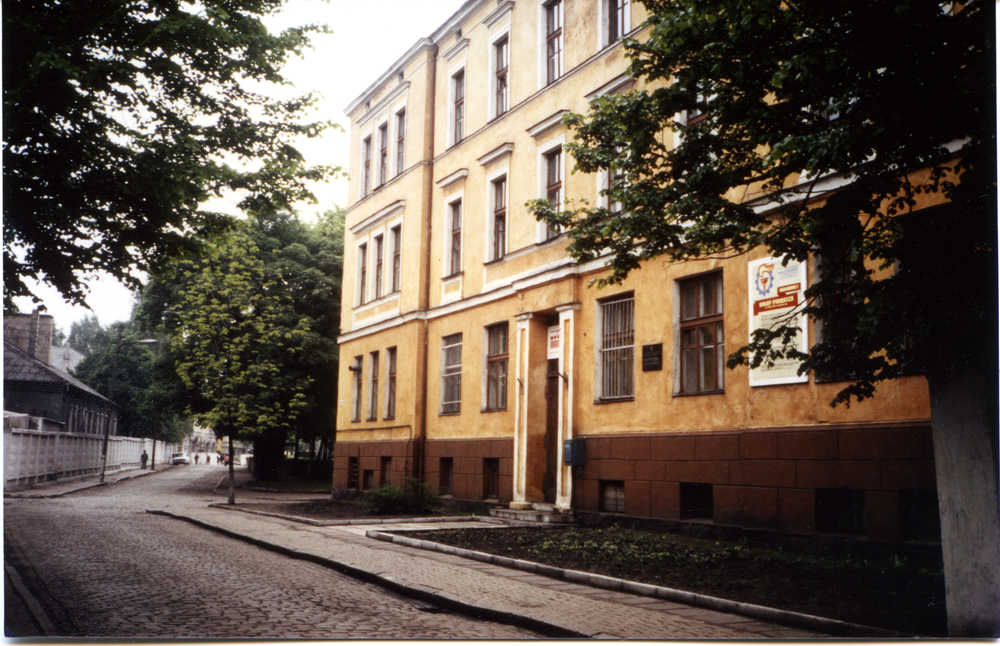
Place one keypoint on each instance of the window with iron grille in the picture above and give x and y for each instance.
(499, 218)
(373, 393)
(366, 165)
(390, 395)
(379, 252)
(352, 473)
(356, 399)
(451, 377)
(397, 244)
(502, 54)
(553, 186)
(617, 348)
(491, 478)
(456, 238)
(496, 367)
(383, 155)
(702, 343)
(458, 88)
(553, 41)
(612, 496)
(400, 139)
(363, 273)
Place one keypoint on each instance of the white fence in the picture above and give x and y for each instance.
(31, 456)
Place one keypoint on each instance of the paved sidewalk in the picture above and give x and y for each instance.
(57, 488)
(556, 607)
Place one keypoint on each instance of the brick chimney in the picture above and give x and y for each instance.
(30, 332)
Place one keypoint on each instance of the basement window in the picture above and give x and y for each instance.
(840, 511)
(613, 496)
(696, 501)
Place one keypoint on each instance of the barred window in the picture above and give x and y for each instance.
(617, 347)
(702, 343)
(496, 367)
(373, 402)
(451, 378)
(390, 397)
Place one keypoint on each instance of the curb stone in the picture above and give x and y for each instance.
(421, 593)
(752, 611)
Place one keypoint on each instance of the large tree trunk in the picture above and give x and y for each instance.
(963, 420)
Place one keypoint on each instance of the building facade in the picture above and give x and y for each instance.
(477, 358)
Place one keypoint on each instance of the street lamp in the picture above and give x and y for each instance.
(111, 395)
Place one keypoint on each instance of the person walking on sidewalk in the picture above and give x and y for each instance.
(143, 459)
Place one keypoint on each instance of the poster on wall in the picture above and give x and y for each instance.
(776, 299)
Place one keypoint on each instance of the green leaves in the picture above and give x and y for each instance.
(117, 116)
(798, 98)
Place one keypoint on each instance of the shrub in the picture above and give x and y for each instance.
(414, 497)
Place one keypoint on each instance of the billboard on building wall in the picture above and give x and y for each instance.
(776, 298)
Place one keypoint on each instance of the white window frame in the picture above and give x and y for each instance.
(503, 172)
(373, 379)
(600, 395)
(544, 150)
(365, 188)
(378, 265)
(452, 84)
(455, 341)
(604, 39)
(361, 261)
(385, 137)
(543, 43)
(494, 39)
(446, 268)
(486, 368)
(400, 111)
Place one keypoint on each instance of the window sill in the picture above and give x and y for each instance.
(455, 276)
(449, 414)
(494, 410)
(618, 400)
(701, 392)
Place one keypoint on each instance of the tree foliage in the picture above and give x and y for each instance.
(825, 126)
(122, 118)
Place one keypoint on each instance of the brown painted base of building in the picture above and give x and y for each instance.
(873, 482)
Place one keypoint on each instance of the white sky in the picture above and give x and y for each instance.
(368, 37)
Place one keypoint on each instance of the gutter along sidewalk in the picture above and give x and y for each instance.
(555, 602)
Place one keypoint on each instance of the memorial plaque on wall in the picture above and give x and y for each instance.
(652, 357)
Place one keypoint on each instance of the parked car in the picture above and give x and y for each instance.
(180, 458)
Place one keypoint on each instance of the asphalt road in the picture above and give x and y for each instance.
(100, 567)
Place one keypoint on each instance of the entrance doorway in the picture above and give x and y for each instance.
(551, 429)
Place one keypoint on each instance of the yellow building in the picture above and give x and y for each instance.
(477, 359)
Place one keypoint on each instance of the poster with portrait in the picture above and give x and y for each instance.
(776, 299)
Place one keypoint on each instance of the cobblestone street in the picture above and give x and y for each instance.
(103, 568)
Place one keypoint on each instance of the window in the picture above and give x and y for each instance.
(553, 41)
(356, 399)
(617, 19)
(702, 345)
(363, 273)
(612, 496)
(840, 511)
(352, 473)
(491, 478)
(373, 394)
(499, 218)
(697, 501)
(458, 90)
(617, 341)
(496, 367)
(502, 55)
(451, 378)
(379, 252)
(553, 186)
(455, 265)
(446, 471)
(390, 395)
(397, 244)
(366, 166)
(384, 470)
(383, 155)
(400, 139)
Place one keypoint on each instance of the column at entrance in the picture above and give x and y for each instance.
(522, 348)
(564, 474)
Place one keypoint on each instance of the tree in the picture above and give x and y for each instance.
(233, 345)
(857, 134)
(121, 119)
(132, 381)
(86, 335)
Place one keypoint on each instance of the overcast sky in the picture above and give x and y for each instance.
(367, 38)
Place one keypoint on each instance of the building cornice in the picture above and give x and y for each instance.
(499, 14)
(421, 45)
(547, 125)
(454, 178)
(501, 151)
(377, 218)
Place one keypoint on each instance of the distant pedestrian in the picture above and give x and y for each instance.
(143, 459)
(196, 456)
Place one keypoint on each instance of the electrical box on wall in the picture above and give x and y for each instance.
(573, 452)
